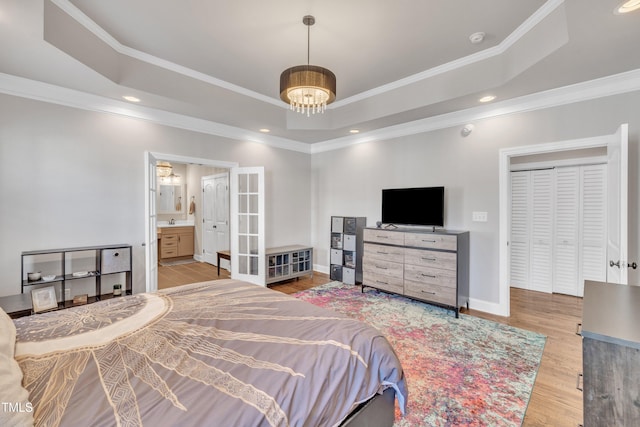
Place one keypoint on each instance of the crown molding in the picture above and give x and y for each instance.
(599, 88)
(547, 8)
(45, 92)
(510, 40)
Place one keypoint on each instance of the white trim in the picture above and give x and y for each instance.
(505, 155)
(547, 8)
(40, 91)
(606, 86)
(599, 88)
(485, 306)
(497, 50)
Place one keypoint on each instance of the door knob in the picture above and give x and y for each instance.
(215, 226)
(633, 265)
(617, 264)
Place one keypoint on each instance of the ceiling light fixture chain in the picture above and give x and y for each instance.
(308, 88)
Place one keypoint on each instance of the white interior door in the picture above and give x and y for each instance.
(215, 222)
(151, 235)
(617, 193)
(247, 225)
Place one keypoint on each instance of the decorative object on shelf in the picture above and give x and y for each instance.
(35, 276)
(117, 290)
(308, 87)
(80, 299)
(80, 274)
(163, 169)
(49, 278)
(346, 249)
(44, 299)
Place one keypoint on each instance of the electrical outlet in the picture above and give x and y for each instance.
(479, 217)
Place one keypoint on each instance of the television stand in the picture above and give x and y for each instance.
(391, 226)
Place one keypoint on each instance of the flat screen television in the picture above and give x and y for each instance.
(413, 206)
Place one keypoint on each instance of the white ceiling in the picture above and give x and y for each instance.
(395, 62)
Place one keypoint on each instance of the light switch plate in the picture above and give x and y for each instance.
(479, 217)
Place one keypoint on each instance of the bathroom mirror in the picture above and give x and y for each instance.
(171, 198)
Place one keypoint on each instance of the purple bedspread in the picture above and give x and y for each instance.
(215, 353)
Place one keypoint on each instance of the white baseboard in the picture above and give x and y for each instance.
(486, 306)
(321, 268)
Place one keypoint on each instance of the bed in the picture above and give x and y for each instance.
(223, 352)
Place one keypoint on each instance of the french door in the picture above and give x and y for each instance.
(151, 233)
(247, 225)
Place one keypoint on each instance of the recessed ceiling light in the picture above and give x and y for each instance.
(476, 38)
(265, 130)
(131, 98)
(627, 6)
(487, 98)
(354, 131)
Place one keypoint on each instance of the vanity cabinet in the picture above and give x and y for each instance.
(431, 266)
(176, 242)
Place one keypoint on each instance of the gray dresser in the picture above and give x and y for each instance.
(431, 266)
(611, 354)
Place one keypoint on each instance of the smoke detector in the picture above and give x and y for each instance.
(476, 38)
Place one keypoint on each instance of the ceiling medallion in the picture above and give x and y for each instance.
(308, 88)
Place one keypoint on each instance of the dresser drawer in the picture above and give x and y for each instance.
(430, 292)
(434, 276)
(386, 268)
(431, 240)
(169, 238)
(387, 253)
(421, 257)
(380, 281)
(169, 252)
(384, 236)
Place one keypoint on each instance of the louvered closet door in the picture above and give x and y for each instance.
(567, 197)
(593, 224)
(520, 229)
(542, 230)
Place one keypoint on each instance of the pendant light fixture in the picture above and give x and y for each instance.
(308, 89)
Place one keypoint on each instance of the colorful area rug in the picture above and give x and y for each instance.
(460, 372)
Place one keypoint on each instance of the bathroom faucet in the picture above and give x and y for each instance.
(173, 221)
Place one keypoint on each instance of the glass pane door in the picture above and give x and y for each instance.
(247, 228)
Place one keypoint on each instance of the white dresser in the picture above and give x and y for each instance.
(431, 266)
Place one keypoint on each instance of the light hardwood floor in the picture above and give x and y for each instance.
(555, 401)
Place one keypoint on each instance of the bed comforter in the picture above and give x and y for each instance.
(216, 353)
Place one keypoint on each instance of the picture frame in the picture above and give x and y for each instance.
(44, 299)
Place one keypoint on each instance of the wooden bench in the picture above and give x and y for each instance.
(223, 255)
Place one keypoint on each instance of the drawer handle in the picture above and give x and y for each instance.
(381, 282)
(429, 241)
(426, 292)
(428, 275)
(429, 259)
(578, 328)
(578, 383)
(381, 268)
(382, 237)
(383, 253)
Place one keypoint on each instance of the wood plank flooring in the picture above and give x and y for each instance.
(555, 401)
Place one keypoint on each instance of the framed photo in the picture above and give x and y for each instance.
(44, 299)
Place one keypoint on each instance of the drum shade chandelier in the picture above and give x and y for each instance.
(308, 89)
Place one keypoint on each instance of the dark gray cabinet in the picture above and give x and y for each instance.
(345, 253)
(611, 354)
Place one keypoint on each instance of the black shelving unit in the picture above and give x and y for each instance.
(109, 259)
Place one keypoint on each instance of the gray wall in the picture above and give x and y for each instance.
(349, 181)
(76, 178)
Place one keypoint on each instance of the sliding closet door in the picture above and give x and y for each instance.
(520, 229)
(567, 202)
